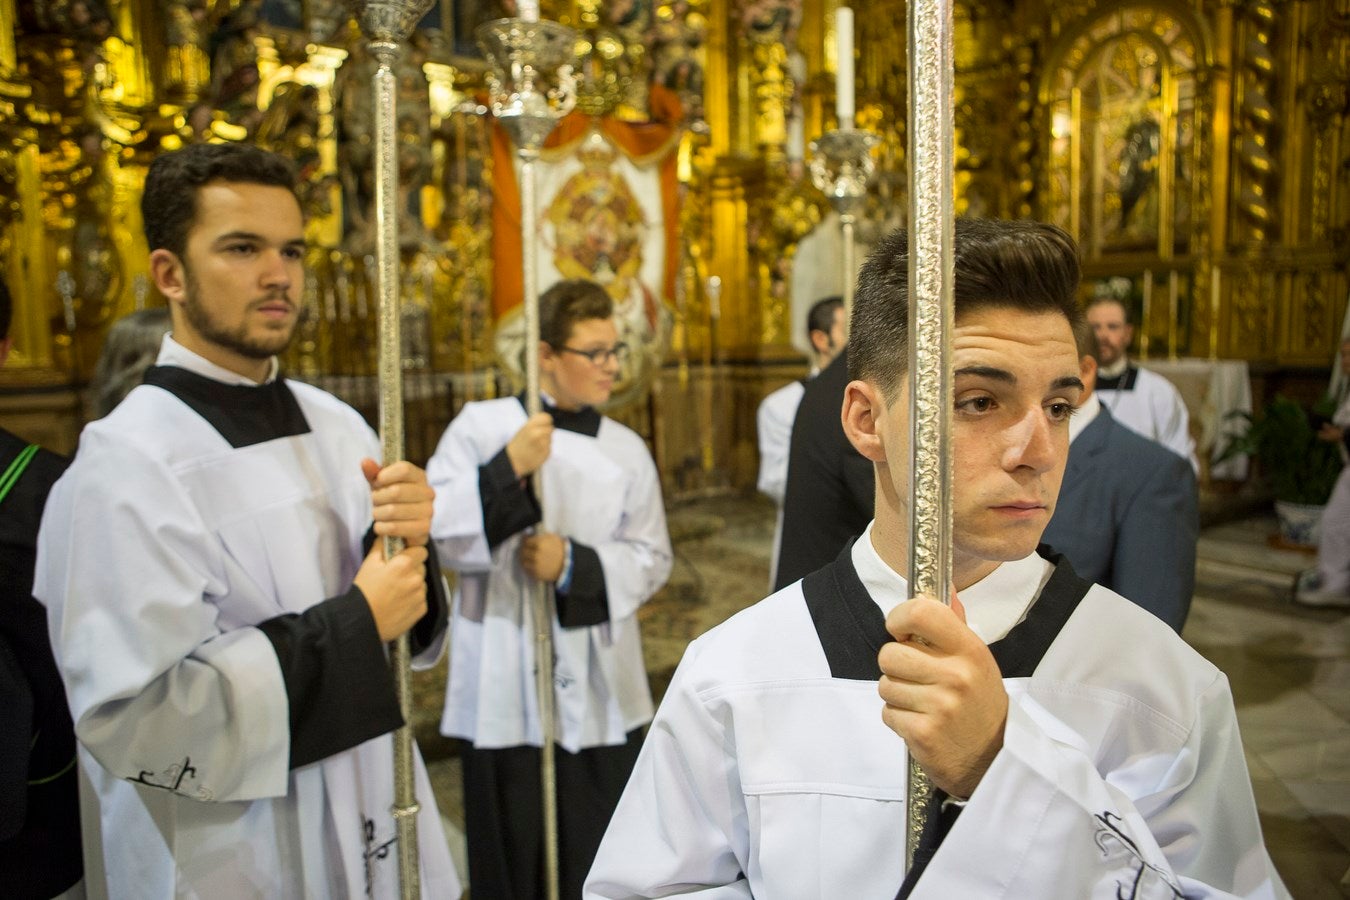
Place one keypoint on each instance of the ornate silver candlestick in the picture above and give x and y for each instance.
(386, 24)
(841, 166)
(531, 86)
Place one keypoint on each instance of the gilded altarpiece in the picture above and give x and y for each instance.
(1124, 166)
(1198, 153)
(1198, 150)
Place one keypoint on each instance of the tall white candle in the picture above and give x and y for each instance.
(1146, 314)
(843, 67)
(796, 130)
(1214, 297)
(796, 138)
(528, 10)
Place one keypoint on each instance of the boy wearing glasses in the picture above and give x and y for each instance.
(605, 550)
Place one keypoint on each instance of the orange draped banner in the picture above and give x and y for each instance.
(644, 144)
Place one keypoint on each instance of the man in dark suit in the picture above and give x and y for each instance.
(1128, 515)
(40, 854)
(828, 499)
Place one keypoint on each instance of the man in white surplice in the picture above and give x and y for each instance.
(216, 616)
(1141, 400)
(1078, 747)
(603, 550)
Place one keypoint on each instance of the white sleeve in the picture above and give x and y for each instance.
(125, 568)
(1164, 825)
(1174, 424)
(457, 514)
(774, 438)
(638, 559)
(679, 829)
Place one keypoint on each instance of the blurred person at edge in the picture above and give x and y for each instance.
(1077, 746)
(40, 854)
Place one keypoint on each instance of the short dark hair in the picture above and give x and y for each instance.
(6, 310)
(568, 302)
(1030, 266)
(1086, 340)
(169, 203)
(1098, 301)
(821, 315)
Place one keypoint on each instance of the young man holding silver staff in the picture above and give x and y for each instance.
(215, 607)
(1079, 748)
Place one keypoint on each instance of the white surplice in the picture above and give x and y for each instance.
(161, 548)
(1153, 407)
(1121, 772)
(602, 491)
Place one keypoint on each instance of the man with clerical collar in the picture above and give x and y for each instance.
(1141, 400)
(218, 596)
(1078, 747)
(602, 547)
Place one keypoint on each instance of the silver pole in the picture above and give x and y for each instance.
(930, 328)
(532, 86)
(386, 24)
(541, 608)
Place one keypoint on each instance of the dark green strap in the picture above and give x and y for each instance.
(16, 468)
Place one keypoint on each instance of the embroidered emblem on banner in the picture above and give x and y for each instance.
(599, 229)
(602, 219)
(598, 223)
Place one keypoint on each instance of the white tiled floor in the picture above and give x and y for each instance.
(1290, 671)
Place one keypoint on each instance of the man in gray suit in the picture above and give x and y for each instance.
(1127, 516)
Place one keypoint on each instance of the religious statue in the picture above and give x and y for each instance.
(1138, 164)
(413, 154)
(187, 68)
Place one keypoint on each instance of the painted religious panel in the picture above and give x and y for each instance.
(1123, 150)
(607, 212)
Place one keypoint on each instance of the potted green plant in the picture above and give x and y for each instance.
(1300, 468)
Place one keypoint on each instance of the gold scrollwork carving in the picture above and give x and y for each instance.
(1256, 145)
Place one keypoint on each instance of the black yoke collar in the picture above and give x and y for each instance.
(582, 421)
(1122, 382)
(243, 414)
(852, 629)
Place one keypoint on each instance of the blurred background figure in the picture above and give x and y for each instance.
(1139, 399)
(1329, 583)
(40, 850)
(129, 349)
